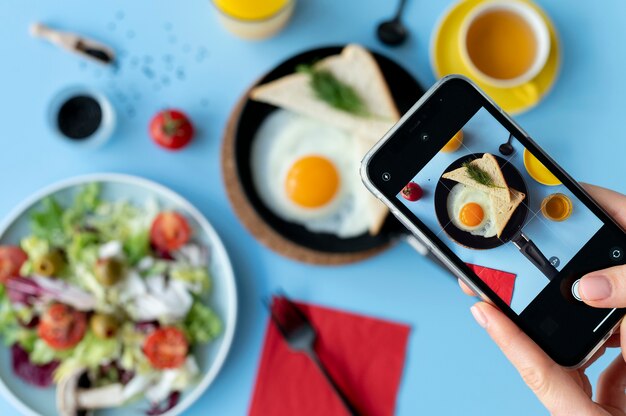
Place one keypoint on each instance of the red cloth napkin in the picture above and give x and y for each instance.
(365, 356)
(500, 282)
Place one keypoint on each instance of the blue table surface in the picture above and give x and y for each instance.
(452, 367)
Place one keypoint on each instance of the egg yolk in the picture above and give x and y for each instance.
(312, 182)
(471, 214)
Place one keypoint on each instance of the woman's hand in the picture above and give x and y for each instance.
(568, 392)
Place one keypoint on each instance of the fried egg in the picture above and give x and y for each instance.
(471, 210)
(308, 173)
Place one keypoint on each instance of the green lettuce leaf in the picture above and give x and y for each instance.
(47, 223)
(198, 278)
(90, 352)
(137, 246)
(83, 248)
(85, 203)
(201, 324)
(10, 329)
(42, 353)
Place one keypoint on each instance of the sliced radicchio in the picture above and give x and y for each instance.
(38, 375)
(161, 254)
(34, 321)
(30, 290)
(123, 376)
(147, 326)
(165, 406)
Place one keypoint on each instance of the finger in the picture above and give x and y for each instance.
(466, 289)
(622, 338)
(614, 203)
(611, 385)
(552, 384)
(604, 288)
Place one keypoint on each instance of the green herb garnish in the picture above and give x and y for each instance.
(334, 92)
(479, 175)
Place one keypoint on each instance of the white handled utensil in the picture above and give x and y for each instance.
(72, 42)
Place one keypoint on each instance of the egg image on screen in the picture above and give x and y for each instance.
(471, 210)
(308, 173)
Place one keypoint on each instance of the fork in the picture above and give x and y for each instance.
(300, 335)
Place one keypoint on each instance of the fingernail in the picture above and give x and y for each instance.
(479, 316)
(595, 287)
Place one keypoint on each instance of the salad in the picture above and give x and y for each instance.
(106, 299)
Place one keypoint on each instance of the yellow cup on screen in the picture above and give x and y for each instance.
(504, 43)
(254, 19)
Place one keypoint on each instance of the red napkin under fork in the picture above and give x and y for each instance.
(365, 356)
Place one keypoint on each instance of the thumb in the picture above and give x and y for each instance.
(552, 384)
(605, 288)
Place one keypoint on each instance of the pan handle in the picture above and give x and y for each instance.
(532, 253)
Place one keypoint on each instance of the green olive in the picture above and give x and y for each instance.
(109, 271)
(49, 264)
(103, 326)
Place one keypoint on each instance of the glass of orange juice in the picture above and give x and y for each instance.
(254, 19)
(557, 207)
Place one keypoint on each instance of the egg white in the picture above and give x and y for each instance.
(459, 196)
(285, 137)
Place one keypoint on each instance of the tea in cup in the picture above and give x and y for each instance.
(504, 43)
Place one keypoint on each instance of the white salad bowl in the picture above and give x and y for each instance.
(30, 400)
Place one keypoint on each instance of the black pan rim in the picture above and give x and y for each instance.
(316, 241)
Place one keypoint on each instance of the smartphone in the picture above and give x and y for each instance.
(506, 219)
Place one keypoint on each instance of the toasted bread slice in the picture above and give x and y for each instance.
(489, 164)
(504, 211)
(355, 67)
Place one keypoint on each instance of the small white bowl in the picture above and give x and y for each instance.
(107, 124)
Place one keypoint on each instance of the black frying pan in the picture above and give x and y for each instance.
(405, 90)
(513, 230)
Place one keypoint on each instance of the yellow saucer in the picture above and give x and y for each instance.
(445, 59)
(538, 171)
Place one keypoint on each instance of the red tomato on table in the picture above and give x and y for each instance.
(171, 129)
(62, 327)
(166, 347)
(11, 260)
(170, 231)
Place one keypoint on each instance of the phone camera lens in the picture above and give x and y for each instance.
(425, 137)
(386, 176)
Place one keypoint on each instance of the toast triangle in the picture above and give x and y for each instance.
(489, 164)
(503, 211)
(356, 67)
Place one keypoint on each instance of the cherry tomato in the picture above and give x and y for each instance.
(171, 129)
(170, 231)
(11, 260)
(412, 192)
(62, 327)
(166, 347)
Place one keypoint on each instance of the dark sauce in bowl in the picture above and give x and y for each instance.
(79, 117)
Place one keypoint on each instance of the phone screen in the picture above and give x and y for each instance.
(524, 234)
(486, 205)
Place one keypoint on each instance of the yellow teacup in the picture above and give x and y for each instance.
(504, 43)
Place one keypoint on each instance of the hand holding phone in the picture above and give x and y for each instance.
(562, 391)
(515, 227)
